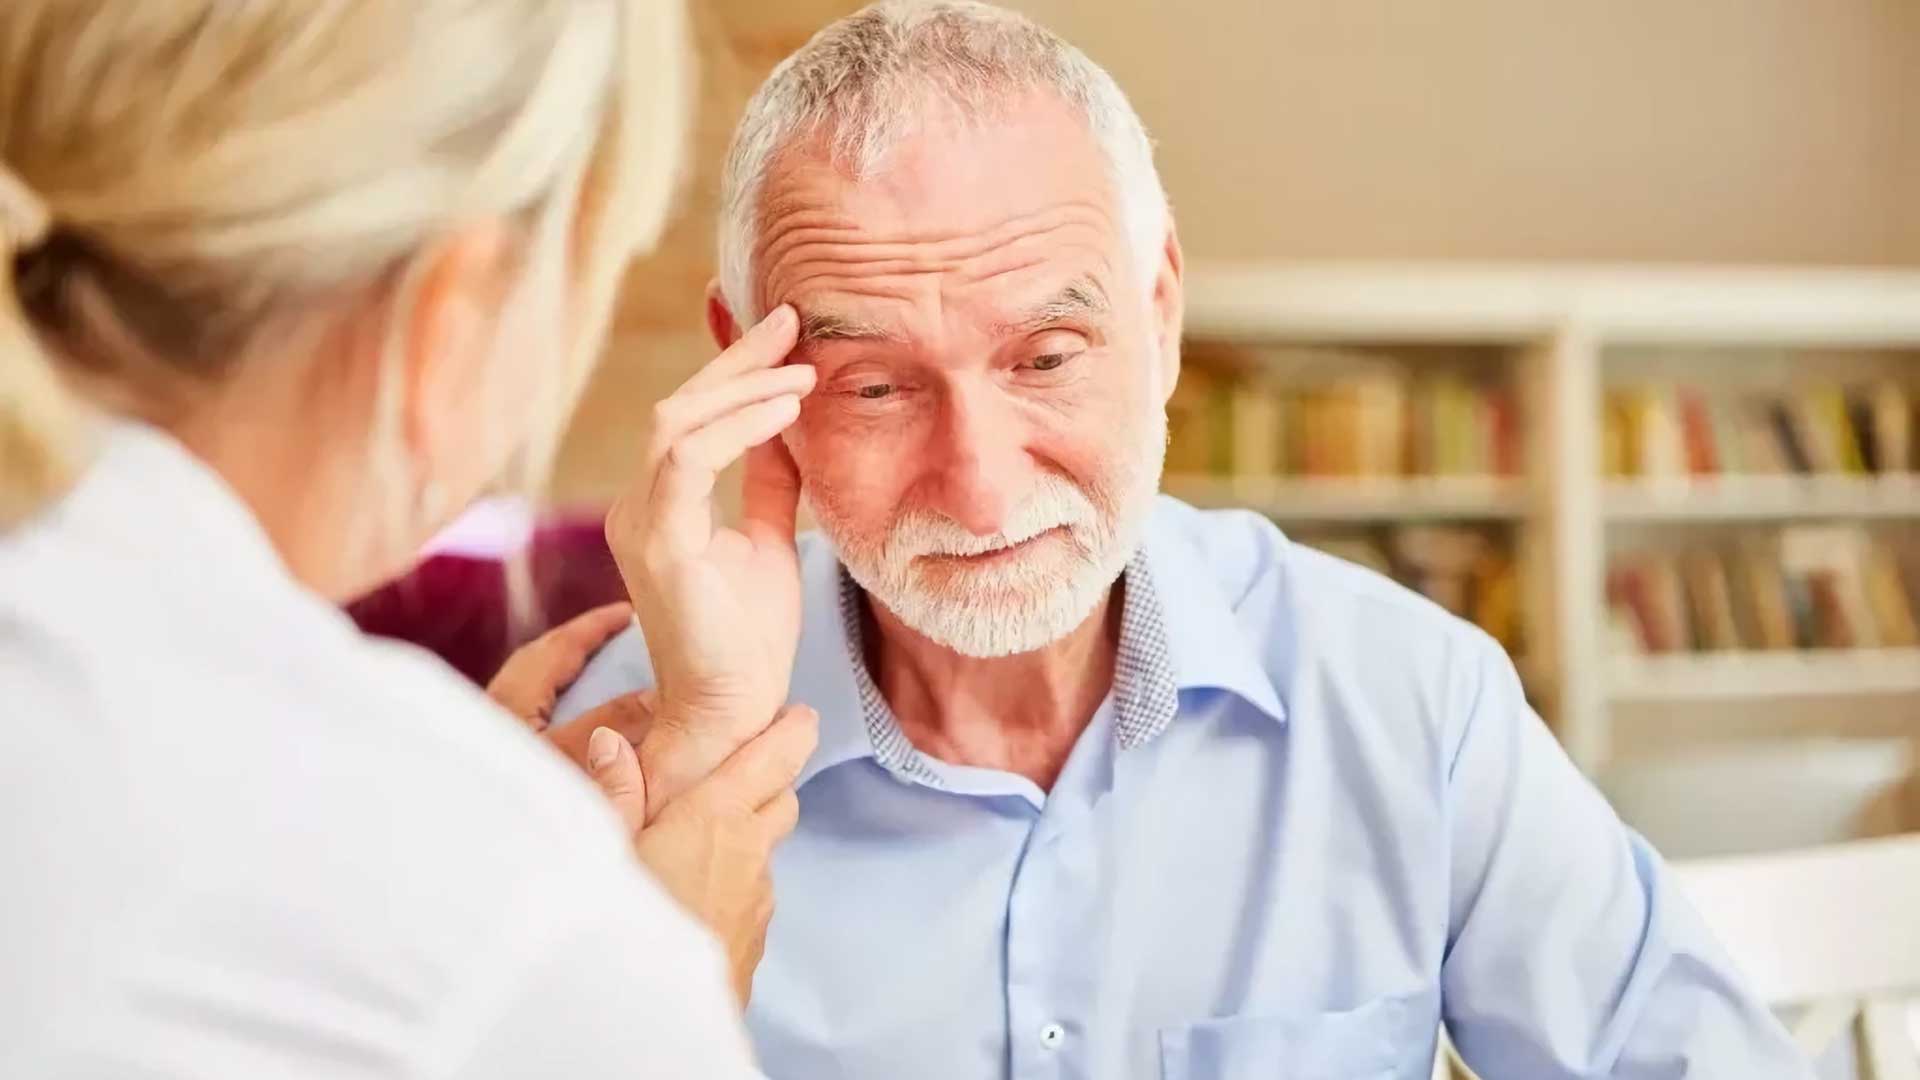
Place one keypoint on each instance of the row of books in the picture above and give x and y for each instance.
(1803, 587)
(1370, 424)
(1665, 432)
(1468, 571)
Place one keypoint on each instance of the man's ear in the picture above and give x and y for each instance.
(720, 321)
(1170, 309)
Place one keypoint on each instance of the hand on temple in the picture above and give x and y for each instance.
(720, 606)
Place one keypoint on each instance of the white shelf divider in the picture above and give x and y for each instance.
(1764, 498)
(1358, 500)
(1734, 676)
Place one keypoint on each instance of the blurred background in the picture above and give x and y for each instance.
(1597, 321)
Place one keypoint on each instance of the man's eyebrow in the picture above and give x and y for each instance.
(820, 326)
(1083, 299)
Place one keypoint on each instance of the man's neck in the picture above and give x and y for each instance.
(1020, 714)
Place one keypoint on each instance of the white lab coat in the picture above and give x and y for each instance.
(242, 840)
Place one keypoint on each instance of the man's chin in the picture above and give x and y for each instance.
(986, 615)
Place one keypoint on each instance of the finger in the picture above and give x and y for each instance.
(583, 634)
(616, 768)
(760, 770)
(630, 716)
(776, 820)
(536, 675)
(513, 689)
(768, 343)
(682, 503)
(692, 408)
(770, 495)
(519, 688)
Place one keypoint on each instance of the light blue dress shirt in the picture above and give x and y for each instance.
(1314, 818)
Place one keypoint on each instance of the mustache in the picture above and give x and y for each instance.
(1056, 505)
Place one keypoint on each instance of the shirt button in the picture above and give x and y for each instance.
(1052, 1036)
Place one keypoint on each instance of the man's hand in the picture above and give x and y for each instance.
(535, 676)
(710, 846)
(720, 607)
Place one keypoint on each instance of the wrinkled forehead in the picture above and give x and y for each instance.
(1018, 201)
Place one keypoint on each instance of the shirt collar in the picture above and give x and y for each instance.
(1178, 633)
(1210, 647)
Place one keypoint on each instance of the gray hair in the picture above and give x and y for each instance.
(861, 80)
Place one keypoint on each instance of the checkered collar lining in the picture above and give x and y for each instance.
(1145, 694)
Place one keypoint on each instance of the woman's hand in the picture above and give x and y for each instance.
(720, 607)
(535, 676)
(710, 847)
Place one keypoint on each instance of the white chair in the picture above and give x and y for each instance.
(1832, 930)
(1764, 795)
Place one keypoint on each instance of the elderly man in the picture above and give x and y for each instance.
(1106, 786)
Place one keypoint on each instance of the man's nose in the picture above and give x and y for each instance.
(981, 468)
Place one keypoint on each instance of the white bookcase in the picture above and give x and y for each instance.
(1566, 328)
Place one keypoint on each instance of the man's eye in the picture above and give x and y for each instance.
(874, 391)
(1048, 362)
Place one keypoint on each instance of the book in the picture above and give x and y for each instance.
(1892, 422)
(1830, 429)
(1796, 587)
(1789, 437)
(1831, 558)
(1710, 600)
(1339, 417)
(1762, 452)
(1766, 590)
(1259, 431)
(1696, 433)
(1673, 628)
(1894, 612)
(1662, 445)
(1840, 446)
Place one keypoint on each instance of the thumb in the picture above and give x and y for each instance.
(614, 766)
(770, 493)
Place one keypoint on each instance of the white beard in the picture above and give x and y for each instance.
(1018, 603)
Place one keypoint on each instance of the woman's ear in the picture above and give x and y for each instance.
(720, 321)
(447, 378)
(1169, 310)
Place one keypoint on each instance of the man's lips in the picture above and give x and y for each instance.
(987, 558)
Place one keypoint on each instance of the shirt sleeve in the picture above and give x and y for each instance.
(616, 998)
(1570, 950)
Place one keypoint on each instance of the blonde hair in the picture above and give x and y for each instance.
(175, 176)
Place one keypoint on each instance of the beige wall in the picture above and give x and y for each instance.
(1692, 130)
(1909, 186)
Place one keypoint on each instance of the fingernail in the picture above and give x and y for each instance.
(602, 747)
(781, 317)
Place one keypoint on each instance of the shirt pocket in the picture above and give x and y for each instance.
(1384, 1039)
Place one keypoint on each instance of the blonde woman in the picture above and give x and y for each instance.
(283, 285)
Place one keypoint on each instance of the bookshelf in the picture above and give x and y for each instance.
(1737, 677)
(1566, 339)
(1359, 499)
(1764, 498)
